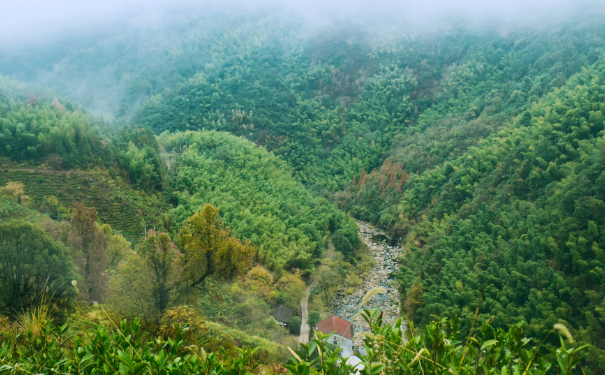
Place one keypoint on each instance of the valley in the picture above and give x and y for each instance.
(250, 189)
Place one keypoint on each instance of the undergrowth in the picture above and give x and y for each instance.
(43, 347)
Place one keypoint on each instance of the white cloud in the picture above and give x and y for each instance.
(23, 19)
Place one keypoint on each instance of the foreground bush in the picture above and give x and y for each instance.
(53, 350)
(439, 350)
(50, 349)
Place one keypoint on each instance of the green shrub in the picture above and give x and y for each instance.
(293, 325)
(390, 349)
(441, 349)
(313, 319)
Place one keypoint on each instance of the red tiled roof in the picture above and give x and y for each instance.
(335, 324)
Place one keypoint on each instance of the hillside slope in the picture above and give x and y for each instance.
(522, 212)
(258, 197)
(128, 211)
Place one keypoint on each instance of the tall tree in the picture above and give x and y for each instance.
(164, 262)
(146, 283)
(210, 250)
(88, 241)
(31, 262)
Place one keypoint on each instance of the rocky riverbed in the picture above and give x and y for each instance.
(381, 275)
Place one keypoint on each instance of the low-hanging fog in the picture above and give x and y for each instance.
(33, 20)
(50, 42)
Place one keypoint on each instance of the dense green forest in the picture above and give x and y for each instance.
(523, 208)
(260, 200)
(209, 169)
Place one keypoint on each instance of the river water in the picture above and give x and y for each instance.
(385, 252)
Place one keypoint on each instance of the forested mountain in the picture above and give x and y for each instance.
(215, 165)
(332, 106)
(311, 98)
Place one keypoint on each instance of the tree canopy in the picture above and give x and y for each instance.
(32, 266)
(211, 250)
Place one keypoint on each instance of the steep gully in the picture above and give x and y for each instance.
(346, 306)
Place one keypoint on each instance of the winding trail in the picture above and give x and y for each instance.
(305, 330)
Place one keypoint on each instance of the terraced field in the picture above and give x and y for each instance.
(126, 210)
(11, 210)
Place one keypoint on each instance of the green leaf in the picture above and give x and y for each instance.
(139, 367)
(488, 343)
(562, 362)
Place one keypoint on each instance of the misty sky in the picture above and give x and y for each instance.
(37, 19)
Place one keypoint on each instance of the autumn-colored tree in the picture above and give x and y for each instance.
(363, 178)
(14, 191)
(57, 104)
(59, 230)
(387, 166)
(291, 289)
(260, 280)
(392, 180)
(210, 250)
(183, 316)
(88, 241)
(54, 161)
(404, 178)
(157, 273)
(33, 99)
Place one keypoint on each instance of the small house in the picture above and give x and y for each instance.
(342, 333)
(283, 314)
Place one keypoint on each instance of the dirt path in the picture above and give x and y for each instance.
(305, 330)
